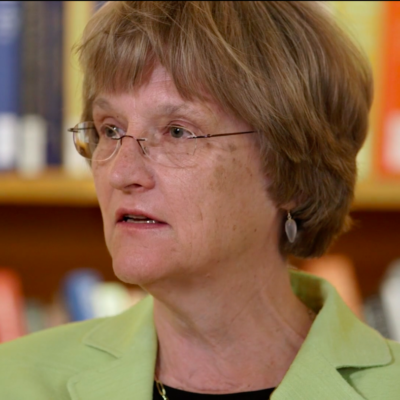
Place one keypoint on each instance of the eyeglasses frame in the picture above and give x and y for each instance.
(75, 130)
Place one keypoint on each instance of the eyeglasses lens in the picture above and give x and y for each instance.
(159, 146)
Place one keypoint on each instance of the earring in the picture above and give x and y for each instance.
(290, 228)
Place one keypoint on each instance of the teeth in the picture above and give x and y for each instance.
(138, 219)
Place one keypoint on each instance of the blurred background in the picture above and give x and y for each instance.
(54, 266)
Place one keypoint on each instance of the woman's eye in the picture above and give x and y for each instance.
(111, 132)
(178, 132)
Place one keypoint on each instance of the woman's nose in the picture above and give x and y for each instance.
(130, 167)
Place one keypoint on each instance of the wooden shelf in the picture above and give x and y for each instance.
(377, 195)
(54, 187)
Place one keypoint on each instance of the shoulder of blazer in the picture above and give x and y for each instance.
(341, 357)
(40, 365)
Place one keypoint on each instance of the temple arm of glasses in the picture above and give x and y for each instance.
(74, 130)
(194, 137)
(221, 134)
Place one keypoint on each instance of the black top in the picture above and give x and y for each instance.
(176, 394)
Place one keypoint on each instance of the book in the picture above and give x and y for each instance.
(76, 16)
(41, 94)
(78, 288)
(389, 145)
(10, 35)
(375, 315)
(12, 316)
(82, 295)
(32, 134)
(53, 82)
(390, 298)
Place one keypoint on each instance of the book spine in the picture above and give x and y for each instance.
(375, 315)
(53, 79)
(32, 135)
(389, 146)
(390, 297)
(78, 286)
(10, 32)
(12, 314)
(76, 16)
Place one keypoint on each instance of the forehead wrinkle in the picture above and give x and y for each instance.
(203, 113)
(173, 109)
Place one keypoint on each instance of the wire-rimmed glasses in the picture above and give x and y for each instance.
(169, 146)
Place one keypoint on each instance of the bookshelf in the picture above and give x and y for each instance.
(55, 187)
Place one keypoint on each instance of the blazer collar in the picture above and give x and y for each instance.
(131, 338)
(337, 339)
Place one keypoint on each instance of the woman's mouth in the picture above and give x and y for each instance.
(138, 219)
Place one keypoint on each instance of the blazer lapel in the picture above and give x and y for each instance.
(131, 338)
(337, 339)
(314, 379)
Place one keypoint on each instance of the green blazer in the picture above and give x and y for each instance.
(114, 358)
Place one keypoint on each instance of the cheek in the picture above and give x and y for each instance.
(220, 199)
(99, 184)
(103, 194)
(241, 203)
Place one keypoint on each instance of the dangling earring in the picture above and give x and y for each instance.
(290, 228)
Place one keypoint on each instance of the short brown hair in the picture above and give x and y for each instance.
(282, 66)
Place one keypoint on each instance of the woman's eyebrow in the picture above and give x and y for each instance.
(101, 102)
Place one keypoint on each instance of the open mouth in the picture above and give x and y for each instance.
(138, 219)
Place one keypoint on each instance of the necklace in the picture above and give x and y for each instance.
(311, 314)
(161, 389)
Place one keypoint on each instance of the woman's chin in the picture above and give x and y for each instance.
(139, 272)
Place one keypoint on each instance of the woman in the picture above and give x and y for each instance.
(222, 138)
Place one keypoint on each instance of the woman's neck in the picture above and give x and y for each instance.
(235, 334)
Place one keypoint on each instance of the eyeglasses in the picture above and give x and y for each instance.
(169, 146)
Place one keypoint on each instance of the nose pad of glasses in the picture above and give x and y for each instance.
(142, 147)
(142, 144)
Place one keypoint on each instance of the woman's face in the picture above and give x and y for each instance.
(211, 215)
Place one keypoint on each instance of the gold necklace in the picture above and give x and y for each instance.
(311, 314)
(161, 389)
